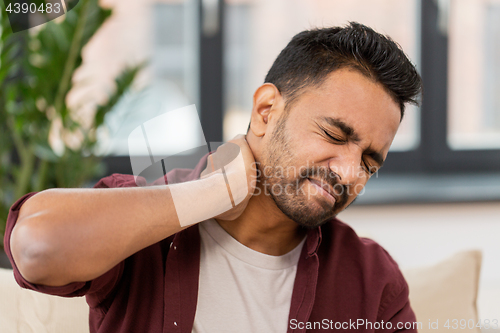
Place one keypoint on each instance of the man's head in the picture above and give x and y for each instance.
(313, 54)
(326, 117)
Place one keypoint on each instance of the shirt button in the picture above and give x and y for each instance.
(175, 323)
(175, 247)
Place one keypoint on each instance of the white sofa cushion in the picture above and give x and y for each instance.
(26, 311)
(446, 291)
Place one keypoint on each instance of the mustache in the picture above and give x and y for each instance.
(327, 176)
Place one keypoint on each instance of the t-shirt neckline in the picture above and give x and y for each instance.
(248, 255)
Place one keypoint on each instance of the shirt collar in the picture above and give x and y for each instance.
(313, 241)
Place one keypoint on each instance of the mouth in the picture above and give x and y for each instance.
(324, 189)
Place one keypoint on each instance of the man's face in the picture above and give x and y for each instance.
(322, 151)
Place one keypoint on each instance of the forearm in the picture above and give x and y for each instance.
(68, 235)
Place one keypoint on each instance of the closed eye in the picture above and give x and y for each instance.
(370, 169)
(333, 137)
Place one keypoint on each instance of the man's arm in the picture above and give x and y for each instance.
(71, 235)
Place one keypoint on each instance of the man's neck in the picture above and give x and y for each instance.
(264, 228)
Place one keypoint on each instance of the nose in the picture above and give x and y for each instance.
(347, 167)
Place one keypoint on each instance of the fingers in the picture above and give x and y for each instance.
(219, 160)
(223, 156)
(239, 137)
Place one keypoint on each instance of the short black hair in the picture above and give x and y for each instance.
(313, 54)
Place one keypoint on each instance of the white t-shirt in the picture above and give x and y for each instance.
(242, 290)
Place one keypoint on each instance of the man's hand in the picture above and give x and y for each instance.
(238, 175)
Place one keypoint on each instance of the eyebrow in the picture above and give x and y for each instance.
(351, 134)
(341, 125)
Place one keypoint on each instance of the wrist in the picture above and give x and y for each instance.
(199, 200)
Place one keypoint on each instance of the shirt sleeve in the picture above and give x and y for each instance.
(396, 312)
(100, 287)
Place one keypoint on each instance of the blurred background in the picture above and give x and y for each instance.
(440, 189)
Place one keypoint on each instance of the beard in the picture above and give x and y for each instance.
(287, 190)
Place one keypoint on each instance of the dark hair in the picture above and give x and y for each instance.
(313, 54)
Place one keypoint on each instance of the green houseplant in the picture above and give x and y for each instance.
(36, 68)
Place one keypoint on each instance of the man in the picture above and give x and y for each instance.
(278, 260)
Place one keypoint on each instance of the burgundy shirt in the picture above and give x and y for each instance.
(341, 279)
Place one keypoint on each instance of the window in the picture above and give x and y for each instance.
(218, 52)
(474, 74)
(254, 35)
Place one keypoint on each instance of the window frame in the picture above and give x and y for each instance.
(433, 155)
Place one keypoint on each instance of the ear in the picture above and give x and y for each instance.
(267, 104)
